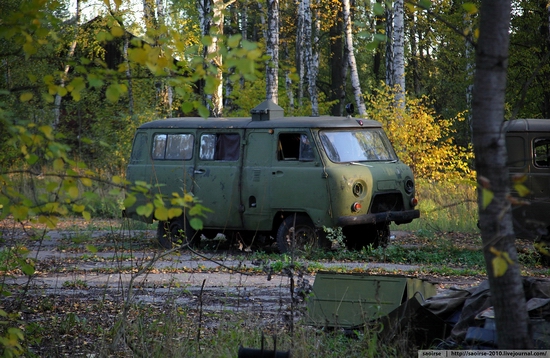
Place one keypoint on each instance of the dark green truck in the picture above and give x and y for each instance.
(278, 177)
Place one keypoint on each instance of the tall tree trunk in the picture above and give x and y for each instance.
(300, 43)
(311, 35)
(272, 47)
(355, 83)
(399, 52)
(338, 81)
(495, 219)
(389, 46)
(70, 55)
(128, 75)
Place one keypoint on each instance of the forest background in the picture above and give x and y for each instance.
(95, 71)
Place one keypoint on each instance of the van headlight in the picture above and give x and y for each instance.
(409, 185)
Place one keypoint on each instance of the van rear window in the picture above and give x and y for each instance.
(541, 153)
(172, 146)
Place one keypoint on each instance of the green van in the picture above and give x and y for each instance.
(277, 177)
(528, 147)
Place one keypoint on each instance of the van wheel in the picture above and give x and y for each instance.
(176, 231)
(297, 233)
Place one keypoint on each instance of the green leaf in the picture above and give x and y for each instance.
(27, 269)
(470, 8)
(486, 197)
(234, 41)
(86, 215)
(187, 107)
(129, 201)
(112, 93)
(378, 9)
(145, 210)
(196, 223)
(91, 248)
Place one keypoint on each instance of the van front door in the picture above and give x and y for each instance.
(216, 177)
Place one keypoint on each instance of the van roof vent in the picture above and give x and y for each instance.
(267, 110)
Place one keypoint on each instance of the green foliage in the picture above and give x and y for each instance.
(421, 139)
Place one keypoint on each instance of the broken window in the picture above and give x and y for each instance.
(172, 147)
(220, 146)
(541, 153)
(295, 146)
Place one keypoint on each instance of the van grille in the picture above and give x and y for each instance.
(387, 202)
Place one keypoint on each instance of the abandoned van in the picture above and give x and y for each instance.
(528, 147)
(277, 177)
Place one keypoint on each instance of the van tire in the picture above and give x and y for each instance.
(170, 233)
(301, 227)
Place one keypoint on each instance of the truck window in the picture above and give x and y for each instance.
(541, 152)
(220, 146)
(357, 145)
(139, 149)
(172, 146)
(294, 146)
(515, 147)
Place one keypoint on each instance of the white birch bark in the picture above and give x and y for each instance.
(300, 43)
(272, 49)
(312, 56)
(355, 83)
(389, 46)
(399, 52)
(70, 55)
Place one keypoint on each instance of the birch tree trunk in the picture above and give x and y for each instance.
(355, 84)
(311, 39)
(399, 52)
(70, 55)
(272, 49)
(300, 43)
(337, 63)
(495, 219)
(211, 20)
(389, 46)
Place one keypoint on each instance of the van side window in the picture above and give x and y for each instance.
(139, 149)
(294, 146)
(541, 153)
(172, 146)
(220, 146)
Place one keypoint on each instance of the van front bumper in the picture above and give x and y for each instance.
(399, 217)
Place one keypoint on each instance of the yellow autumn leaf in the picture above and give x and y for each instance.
(86, 181)
(86, 215)
(161, 213)
(73, 192)
(521, 189)
(174, 212)
(499, 266)
(25, 97)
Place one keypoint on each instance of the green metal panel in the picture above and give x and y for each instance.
(351, 300)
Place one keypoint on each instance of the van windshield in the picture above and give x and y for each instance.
(362, 145)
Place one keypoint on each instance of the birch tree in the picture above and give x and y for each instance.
(399, 52)
(70, 55)
(495, 217)
(211, 24)
(272, 49)
(355, 83)
(311, 36)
